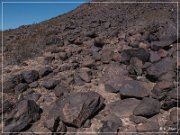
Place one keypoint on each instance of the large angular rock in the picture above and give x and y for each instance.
(114, 74)
(159, 68)
(134, 89)
(124, 108)
(148, 107)
(30, 76)
(76, 108)
(26, 112)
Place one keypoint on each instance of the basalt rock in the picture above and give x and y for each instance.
(148, 107)
(25, 113)
(30, 76)
(76, 108)
(156, 70)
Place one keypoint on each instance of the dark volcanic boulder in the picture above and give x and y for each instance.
(140, 53)
(26, 112)
(159, 68)
(148, 107)
(124, 108)
(134, 89)
(114, 74)
(76, 108)
(30, 76)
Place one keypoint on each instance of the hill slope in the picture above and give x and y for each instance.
(103, 67)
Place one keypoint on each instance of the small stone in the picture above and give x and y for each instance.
(98, 43)
(21, 87)
(110, 89)
(32, 96)
(144, 45)
(63, 56)
(106, 55)
(154, 57)
(107, 25)
(135, 66)
(137, 119)
(88, 62)
(48, 59)
(91, 34)
(45, 71)
(50, 84)
(85, 74)
(64, 67)
(149, 126)
(162, 53)
(61, 90)
(87, 124)
(33, 84)
(174, 115)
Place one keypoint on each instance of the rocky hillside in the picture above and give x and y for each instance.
(103, 67)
